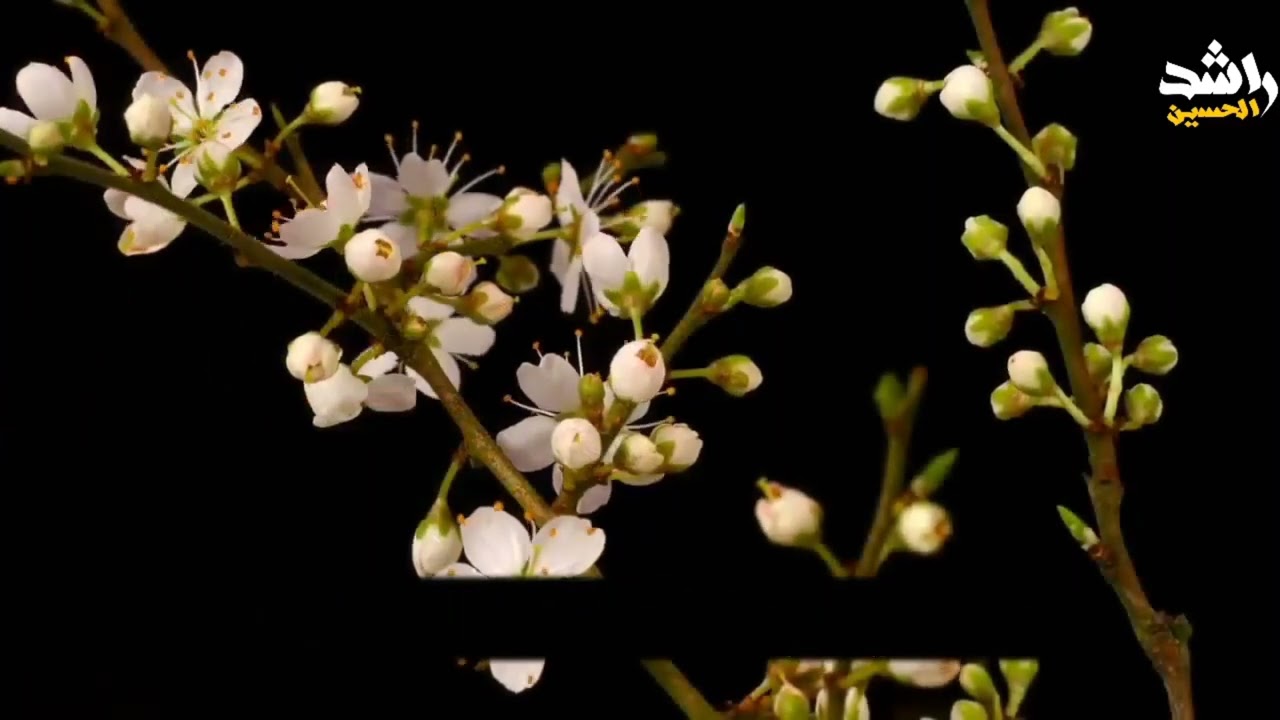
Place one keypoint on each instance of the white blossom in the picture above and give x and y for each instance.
(51, 95)
(679, 444)
(312, 357)
(148, 121)
(206, 116)
(343, 396)
(525, 212)
(656, 214)
(151, 228)
(1106, 312)
(575, 443)
(450, 273)
(580, 214)
(372, 257)
(608, 266)
(924, 527)
(313, 229)
(332, 102)
(451, 339)
(788, 517)
(637, 371)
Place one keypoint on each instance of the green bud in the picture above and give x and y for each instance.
(46, 138)
(976, 681)
(927, 482)
(987, 326)
(642, 144)
(1008, 402)
(1082, 533)
(714, 297)
(413, 327)
(1106, 311)
(968, 710)
(901, 98)
(217, 168)
(1098, 360)
(1181, 628)
(437, 542)
(1029, 372)
(1065, 32)
(517, 274)
(12, 170)
(1155, 355)
(1018, 676)
(790, 704)
(768, 287)
(551, 177)
(738, 221)
(889, 394)
(1055, 145)
(984, 237)
(735, 374)
(591, 394)
(1142, 406)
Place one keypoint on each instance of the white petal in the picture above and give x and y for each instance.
(569, 195)
(638, 480)
(238, 122)
(220, 83)
(392, 393)
(471, 207)
(423, 178)
(461, 571)
(605, 261)
(571, 285)
(380, 365)
(596, 497)
(404, 236)
(650, 258)
(364, 188)
(16, 123)
(115, 202)
(528, 443)
(48, 93)
(557, 479)
(344, 197)
(429, 309)
(464, 336)
(183, 180)
(172, 91)
(496, 543)
(82, 82)
(566, 547)
(146, 238)
(307, 233)
(552, 384)
(560, 254)
(387, 199)
(517, 675)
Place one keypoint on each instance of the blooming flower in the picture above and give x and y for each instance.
(312, 229)
(342, 396)
(496, 544)
(51, 96)
(208, 115)
(580, 214)
(151, 228)
(608, 266)
(451, 339)
(420, 202)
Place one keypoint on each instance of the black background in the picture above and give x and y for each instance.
(183, 538)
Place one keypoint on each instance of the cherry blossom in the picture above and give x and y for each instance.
(580, 214)
(206, 116)
(313, 229)
(421, 202)
(610, 267)
(343, 396)
(52, 96)
(451, 339)
(151, 228)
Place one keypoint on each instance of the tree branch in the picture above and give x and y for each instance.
(1169, 655)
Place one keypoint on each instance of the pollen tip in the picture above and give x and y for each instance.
(502, 170)
(457, 135)
(507, 399)
(528, 516)
(498, 506)
(462, 519)
(671, 391)
(577, 332)
(414, 124)
(191, 55)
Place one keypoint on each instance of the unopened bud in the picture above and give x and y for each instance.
(1106, 311)
(217, 168)
(924, 673)
(967, 94)
(1142, 405)
(488, 304)
(450, 273)
(525, 212)
(1079, 530)
(575, 443)
(1155, 355)
(714, 297)
(312, 357)
(1018, 676)
(656, 214)
(332, 103)
(1065, 32)
(735, 374)
(517, 274)
(901, 98)
(738, 221)
(985, 237)
(45, 138)
(889, 395)
(855, 706)
(637, 454)
(924, 527)
(679, 444)
(1029, 372)
(789, 703)
(591, 394)
(976, 681)
(1097, 360)
(437, 543)
(637, 371)
(768, 287)
(968, 710)
(642, 144)
(1040, 213)
(149, 122)
(1055, 145)
(930, 479)
(372, 256)
(987, 326)
(551, 177)
(1008, 402)
(787, 516)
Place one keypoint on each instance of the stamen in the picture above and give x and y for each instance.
(528, 516)
(457, 138)
(655, 423)
(527, 408)
(613, 196)
(471, 364)
(453, 174)
(431, 153)
(462, 519)
(413, 129)
(577, 339)
(670, 392)
(501, 169)
(537, 347)
(498, 506)
(605, 163)
(391, 147)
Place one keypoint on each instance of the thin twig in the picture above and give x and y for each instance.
(1169, 655)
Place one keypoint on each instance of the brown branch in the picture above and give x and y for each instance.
(1155, 631)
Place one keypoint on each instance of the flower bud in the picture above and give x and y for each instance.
(656, 214)
(437, 543)
(1040, 213)
(517, 274)
(575, 443)
(638, 455)
(924, 527)
(968, 710)
(735, 374)
(1055, 145)
(372, 256)
(1142, 405)
(1106, 311)
(679, 444)
(787, 516)
(450, 273)
(1029, 372)
(924, 673)
(889, 395)
(789, 703)
(977, 682)
(1065, 32)
(45, 138)
(967, 95)
(1018, 676)
(768, 287)
(149, 122)
(642, 144)
(855, 706)
(486, 302)
(525, 212)
(217, 168)
(1008, 402)
(1097, 360)
(637, 372)
(591, 394)
(927, 482)
(332, 103)
(738, 221)
(901, 98)
(338, 399)
(1080, 531)
(987, 326)
(312, 357)
(714, 297)
(985, 238)
(551, 177)
(1155, 355)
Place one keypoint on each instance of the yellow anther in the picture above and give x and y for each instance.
(498, 506)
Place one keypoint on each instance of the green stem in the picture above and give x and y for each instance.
(153, 165)
(1023, 152)
(451, 474)
(1046, 267)
(637, 325)
(833, 563)
(84, 7)
(289, 128)
(1026, 56)
(696, 316)
(308, 185)
(689, 374)
(229, 206)
(678, 687)
(1115, 388)
(1020, 273)
(898, 429)
(1066, 403)
(97, 151)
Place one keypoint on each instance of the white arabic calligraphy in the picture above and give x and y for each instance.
(1226, 83)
